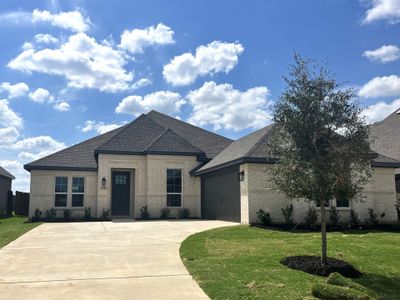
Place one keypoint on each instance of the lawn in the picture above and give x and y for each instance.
(242, 262)
(13, 227)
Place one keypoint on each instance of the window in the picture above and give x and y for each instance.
(120, 179)
(174, 187)
(78, 191)
(61, 190)
(342, 202)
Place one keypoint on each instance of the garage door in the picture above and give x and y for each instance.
(221, 195)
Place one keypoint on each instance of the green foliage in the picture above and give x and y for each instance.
(144, 213)
(264, 217)
(373, 217)
(183, 213)
(334, 217)
(164, 213)
(354, 218)
(12, 228)
(311, 217)
(334, 292)
(87, 214)
(51, 214)
(320, 139)
(338, 279)
(288, 214)
(67, 214)
(37, 215)
(105, 215)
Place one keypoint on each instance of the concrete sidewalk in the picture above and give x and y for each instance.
(101, 260)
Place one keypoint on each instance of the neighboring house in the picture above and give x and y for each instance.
(6, 179)
(385, 139)
(159, 161)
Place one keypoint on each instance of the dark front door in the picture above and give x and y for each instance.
(120, 193)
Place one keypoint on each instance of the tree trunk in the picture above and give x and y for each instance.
(323, 233)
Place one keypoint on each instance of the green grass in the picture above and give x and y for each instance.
(242, 262)
(12, 228)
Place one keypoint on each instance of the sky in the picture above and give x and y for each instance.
(70, 70)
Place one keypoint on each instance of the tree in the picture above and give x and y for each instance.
(319, 141)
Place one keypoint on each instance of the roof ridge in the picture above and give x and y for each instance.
(157, 138)
(186, 123)
(260, 140)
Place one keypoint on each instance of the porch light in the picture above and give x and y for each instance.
(103, 182)
(241, 175)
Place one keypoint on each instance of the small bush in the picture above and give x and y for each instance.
(105, 214)
(36, 215)
(337, 279)
(67, 214)
(88, 212)
(183, 213)
(51, 214)
(311, 217)
(373, 217)
(164, 213)
(264, 217)
(334, 217)
(288, 214)
(354, 218)
(144, 213)
(334, 292)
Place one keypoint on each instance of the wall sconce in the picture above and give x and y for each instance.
(103, 183)
(241, 175)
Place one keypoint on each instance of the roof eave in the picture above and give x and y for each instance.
(59, 168)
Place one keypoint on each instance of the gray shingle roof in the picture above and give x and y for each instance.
(5, 173)
(151, 133)
(385, 136)
(252, 146)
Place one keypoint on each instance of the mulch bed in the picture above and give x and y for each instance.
(312, 265)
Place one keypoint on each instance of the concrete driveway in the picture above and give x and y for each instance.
(101, 260)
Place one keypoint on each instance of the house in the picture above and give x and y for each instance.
(6, 179)
(158, 161)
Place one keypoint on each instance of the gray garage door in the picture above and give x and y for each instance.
(221, 195)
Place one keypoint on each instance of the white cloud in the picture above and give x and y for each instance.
(212, 58)
(41, 95)
(378, 111)
(381, 87)
(163, 101)
(224, 107)
(8, 117)
(14, 90)
(8, 135)
(82, 61)
(141, 83)
(384, 54)
(382, 10)
(100, 127)
(62, 106)
(45, 38)
(71, 20)
(39, 142)
(136, 40)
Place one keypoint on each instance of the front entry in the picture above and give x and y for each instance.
(121, 188)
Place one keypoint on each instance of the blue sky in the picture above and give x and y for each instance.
(70, 70)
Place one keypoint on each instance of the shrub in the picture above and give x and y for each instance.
(36, 215)
(67, 214)
(288, 214)
(334, 217)
(354, 218)
(183, 213)
(105, 214)
(338, 279)
(373, 217)
(311, 217)
(51, 214)
(88, 212)
(334, 292)
(164, 213)
(144, 213)
(264, 217)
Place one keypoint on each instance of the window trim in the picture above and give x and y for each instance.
(78, 193)
(181, 193)
(333, 203)
(60, 193)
